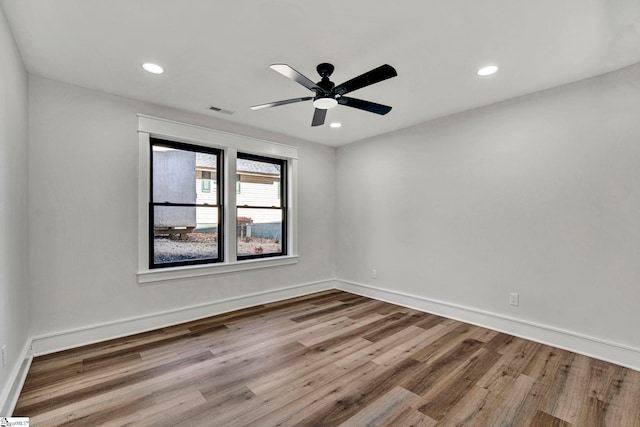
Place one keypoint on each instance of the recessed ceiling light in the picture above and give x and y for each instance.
(336, 125)
(153, 68)
(488, 70)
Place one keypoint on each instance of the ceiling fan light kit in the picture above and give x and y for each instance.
(328, 95)
(325, 103)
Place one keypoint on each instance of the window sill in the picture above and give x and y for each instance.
(172, 273)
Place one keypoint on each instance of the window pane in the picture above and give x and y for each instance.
(259, 183)
(205, 180)
(181, 234)
(177, 175)
(259, 231)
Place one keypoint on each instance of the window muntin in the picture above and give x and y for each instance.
(185, 221)
(260, 207)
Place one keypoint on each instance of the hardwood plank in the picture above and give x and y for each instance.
(624, 410)
(514, 406)
(437, 404)
(379, 348)
(309, 386)
(606, 385)
(296, 411)
(171, 381)
(515, 360)
(443, 344)
(472, 409)
(431, 320)
(139, 409)
(545, 364)
(240, 370)
(345, 405)
(407, 347)
(412, 418)
(568, 389)
(64, 398)
(500, 343)
(314, 364)
(372, 306)
(337, 307)
(403, 322)
(431, 374)
(359, 328)
(383, 410)
(333, 330)
(542, 419)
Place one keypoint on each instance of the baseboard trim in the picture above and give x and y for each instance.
(609, 351)
(620, 354)
(13, 387)
(64, 340)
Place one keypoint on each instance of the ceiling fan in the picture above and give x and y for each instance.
(328, 95)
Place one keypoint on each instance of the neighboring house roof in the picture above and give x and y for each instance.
(248, 166)
(251, 166)
(205, 160)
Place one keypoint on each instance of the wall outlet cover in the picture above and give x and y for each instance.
(514, 299)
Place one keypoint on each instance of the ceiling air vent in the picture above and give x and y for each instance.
(220, 110)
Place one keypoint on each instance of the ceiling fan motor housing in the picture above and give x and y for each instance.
(325, 69)
(328, 95)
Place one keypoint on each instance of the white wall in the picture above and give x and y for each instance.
(83, 214)
(539, 195)
(14, 304)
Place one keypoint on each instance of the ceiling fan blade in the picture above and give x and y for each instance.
(376, 75)
(278, 103)
(294, 75)
(372, 107)
(318, 117)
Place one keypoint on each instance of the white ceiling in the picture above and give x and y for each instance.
(218, 52)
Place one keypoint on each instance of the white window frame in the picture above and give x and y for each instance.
(148, 127)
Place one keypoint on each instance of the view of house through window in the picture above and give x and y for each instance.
(261, 206)
(185, 208)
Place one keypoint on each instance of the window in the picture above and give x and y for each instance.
(261, 207)
(206, 181)
(185, 215)
(231, 200)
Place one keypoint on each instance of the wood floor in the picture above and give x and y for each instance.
(327, 359)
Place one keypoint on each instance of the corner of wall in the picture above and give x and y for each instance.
(608, 351)
(14, 296)
(12, 388)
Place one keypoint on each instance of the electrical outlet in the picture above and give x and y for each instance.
(374, 274)
(514, 299)
(4, 355)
